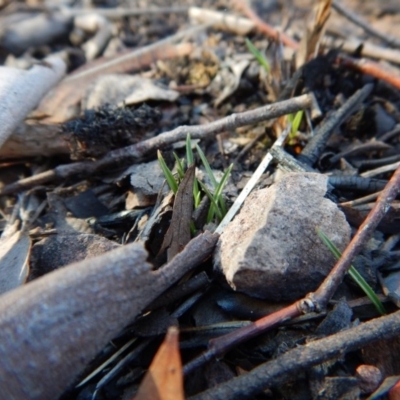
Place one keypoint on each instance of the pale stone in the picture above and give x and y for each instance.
(271, 249)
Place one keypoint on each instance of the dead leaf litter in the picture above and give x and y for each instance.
(193, 170)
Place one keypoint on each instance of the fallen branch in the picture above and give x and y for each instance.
(52, 327)
(135, 152)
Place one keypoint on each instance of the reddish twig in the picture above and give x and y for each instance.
(316, 301)
(263, 27)
(370, 68)
(328, 287)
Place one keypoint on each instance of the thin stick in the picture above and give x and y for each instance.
(252, 182)
(120, 12)
(300, 358)
(135, 152)
(263, 27)
(386, 38)
(361, 200)
(313, 150)
(370, 68)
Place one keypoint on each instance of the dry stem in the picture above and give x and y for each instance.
(135, 152)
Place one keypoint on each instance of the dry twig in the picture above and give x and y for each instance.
(263, 27)
(300, 358)
(136, 152)
(370, 68)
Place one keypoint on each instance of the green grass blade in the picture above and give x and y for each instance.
(354, 274)
(367, 290)
(214, 206)
(167, 173)
(296, 120)
(180, 166)
(197, 198)
(207, 167)
(258, 56)
(218, 191)
(196, 193)
(189, 151)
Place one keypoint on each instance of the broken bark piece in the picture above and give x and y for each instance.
(52, 327)
(271, 249)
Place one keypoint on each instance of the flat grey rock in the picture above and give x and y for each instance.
(271, 249)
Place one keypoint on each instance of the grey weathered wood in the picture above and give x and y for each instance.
(52, 327)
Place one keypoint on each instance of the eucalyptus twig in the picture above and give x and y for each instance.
(370, 68)
(316, 301)
(137, 151)
(283, 368)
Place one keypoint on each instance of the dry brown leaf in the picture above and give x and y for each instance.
(60, 105)
(32, 140)
(121, 89)
(178, 234)
(394, 393)
(164, 379)
(313, 34)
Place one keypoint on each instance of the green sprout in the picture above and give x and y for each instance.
(354, 274)
(217, 207)
(258, 55)
(295, 120)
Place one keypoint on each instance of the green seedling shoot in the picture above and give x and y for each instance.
(218, 207)
(258, 55)
(296, 121)
(354, 274)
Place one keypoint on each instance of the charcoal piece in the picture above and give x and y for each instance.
(85, 205)
(336, 320)
(106, 128)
